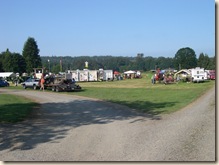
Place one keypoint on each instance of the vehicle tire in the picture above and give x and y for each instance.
(24, 86)
(53, 89)
(34, 87)
(57, 89)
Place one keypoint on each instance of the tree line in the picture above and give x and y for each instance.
(184, 58)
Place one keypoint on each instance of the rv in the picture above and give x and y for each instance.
(108, 75)
(84, 75)
(212, 74)
(92, 75)
(198, 74)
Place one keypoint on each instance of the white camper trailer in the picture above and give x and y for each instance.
(75, 75)
(100, 75)
(198, 74)
(108, 75)
(92, 75)
(83, 75)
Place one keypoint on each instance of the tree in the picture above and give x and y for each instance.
(19, 65)
(204, 61)
(7, 61)
(185, 58)
(140, 63)
(12, 62)
(31, 55)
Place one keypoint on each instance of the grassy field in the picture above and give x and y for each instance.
(138, 94)
(14, 108)
(141, 95)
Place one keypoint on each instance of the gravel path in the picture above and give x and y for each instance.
(70, 128)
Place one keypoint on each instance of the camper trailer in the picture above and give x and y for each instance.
(108, 75)
(76, 75)
(92, 76)
(83, 75)
(198, 74)
(212, 74)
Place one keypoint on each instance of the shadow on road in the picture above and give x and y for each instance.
(54, 121)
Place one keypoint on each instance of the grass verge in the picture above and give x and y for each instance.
(145, 97)
(15, 108)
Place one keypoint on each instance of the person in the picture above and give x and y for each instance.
(42, 81)
(153, 79)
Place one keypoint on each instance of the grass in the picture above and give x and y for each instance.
(141, 95)
(14, 108)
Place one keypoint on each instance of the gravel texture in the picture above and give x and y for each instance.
(72, 128)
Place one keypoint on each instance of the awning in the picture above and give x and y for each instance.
(130, 72)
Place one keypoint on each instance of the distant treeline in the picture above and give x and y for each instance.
(185, 58)
(121, 64)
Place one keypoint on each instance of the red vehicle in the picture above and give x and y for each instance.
(212, 74)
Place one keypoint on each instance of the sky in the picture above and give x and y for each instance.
(108, 27)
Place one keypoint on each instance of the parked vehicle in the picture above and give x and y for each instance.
(59, 84)
(212, 74)
(198, 74)
(4, 83)
(31, 83)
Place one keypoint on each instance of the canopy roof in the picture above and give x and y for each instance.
(130, 72)
(183, 70)
(116, 72)
(6, 74)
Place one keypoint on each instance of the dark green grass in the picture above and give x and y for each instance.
(15, 108)
(154, 99)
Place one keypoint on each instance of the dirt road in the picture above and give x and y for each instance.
(69, 128)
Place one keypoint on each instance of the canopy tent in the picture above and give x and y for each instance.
(183, 71)
(7, 74)
(130, 72)
(116, 73)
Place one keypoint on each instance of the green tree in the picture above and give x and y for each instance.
(12, 62)
(212, 63)
(31, 55)
(19, 65)
(185, 58)
(140, 62)
(204, 61)
(7, 61)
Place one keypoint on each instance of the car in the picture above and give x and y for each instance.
(31, 83)
(4, 83)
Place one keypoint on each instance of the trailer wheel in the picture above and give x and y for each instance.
(57, 89)
(24, 86)
(34, 87)
(53, 89)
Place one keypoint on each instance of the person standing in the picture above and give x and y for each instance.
(153, 79)
(42, 81)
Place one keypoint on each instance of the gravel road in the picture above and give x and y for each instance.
(71, 128)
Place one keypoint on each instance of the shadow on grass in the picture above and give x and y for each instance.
(148, 107)
(53, 121)
(13, 113)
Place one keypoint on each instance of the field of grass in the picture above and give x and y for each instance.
(138, 94)
(14, 108)
(141, 95)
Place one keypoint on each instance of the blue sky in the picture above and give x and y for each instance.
(109, 27)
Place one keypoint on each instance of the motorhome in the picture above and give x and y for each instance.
(198, 74)
(212, 74)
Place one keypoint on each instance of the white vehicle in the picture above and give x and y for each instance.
(31, 83)
(108, 75)
(198, 74)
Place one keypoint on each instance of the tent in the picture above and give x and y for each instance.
(116, 73)
(130, 72)
(7, 74)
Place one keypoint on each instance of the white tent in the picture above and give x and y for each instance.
(7, 74)
(130, 72)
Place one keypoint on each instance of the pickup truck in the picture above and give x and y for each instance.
(31, 83)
